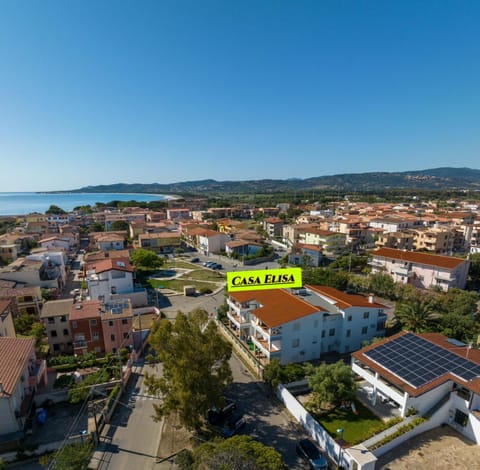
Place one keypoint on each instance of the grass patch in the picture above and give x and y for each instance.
(178, 284)
(205, 275)
(357, 427)
(180, 264)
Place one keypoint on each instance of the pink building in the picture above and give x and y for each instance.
(117, 325)
(421, 269)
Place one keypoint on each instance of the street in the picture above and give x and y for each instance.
(131, 440)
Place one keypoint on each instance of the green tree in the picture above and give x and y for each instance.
(331, 384)
(462, 327)
(195, 367)
(273, 373)
(79, 391)
(96, 227)
(325, 277)
(382, 285)
(238, 452)
(460, 302)
(414, 315)
(474, 271)
(23, 323)
(70, 457)
(38, 332)
(146, 260)
(53, 209)
(119, 226)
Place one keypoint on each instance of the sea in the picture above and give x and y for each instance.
(26, 203)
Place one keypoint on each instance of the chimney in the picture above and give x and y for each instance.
(371, 298)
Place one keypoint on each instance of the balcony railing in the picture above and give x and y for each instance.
(80, 344)
(237, 319)
(265, 346)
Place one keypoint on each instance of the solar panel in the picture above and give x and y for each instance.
(418, 361)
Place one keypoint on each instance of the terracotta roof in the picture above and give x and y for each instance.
(322, 233)
(472, 355)
(156, 235)
(85, 310)
(108, 264)
(277, 306)
(447, 262)
(274, 220)
(4, 305)
(306, 246)
(344, 300)
(14, 353)
(237, 243)
(100, 255)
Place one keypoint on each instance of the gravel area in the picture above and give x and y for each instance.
(440, 448)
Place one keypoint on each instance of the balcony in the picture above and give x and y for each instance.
(37, 372)
(79, 344)
(402, 271)
(237, 320)
(267, 348)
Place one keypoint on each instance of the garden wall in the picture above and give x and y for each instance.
(315, 430)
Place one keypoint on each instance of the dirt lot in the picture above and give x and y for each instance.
(441, 448)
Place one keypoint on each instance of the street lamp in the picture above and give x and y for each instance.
(340, 432)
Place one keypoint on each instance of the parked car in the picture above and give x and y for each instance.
(209, 264)
(233, 425)
(312, 454)
(217, 417)
(195, 260)
(216, 266)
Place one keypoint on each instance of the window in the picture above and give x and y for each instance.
(296, 326)
(461, 418)
(314, 340)
(74, 324)
(126, 335)
(124, 321)
(114, 350)
(63, 318)
(323, 333)
(51, 320)
(315, 324)
(295, 343)
(366, 314)
(331, 332)
(364, 330)
(349, 332)
(65, 332)
(95, 336)
(53, 333)
(56, 347)
(98, 349)
(93, 322)
(349, 318)
(110, 323)
(112, 337)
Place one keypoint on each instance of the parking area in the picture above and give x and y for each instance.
(441, 448)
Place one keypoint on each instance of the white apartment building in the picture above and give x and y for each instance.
(303, 324)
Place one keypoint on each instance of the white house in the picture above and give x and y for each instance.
(430, 373)
(300, 325)
(421, 269)
(108, 277)
(211, 241)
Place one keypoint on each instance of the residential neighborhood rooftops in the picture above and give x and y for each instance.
(447, 262)
(14, 352)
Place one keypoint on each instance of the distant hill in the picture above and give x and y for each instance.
(437, 178)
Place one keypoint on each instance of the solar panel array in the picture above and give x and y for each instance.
(418, 361)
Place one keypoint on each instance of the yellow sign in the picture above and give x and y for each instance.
(264, 279)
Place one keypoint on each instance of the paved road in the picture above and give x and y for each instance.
(268, 422)
(131, 441)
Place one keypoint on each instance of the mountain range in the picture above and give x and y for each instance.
(432, 179)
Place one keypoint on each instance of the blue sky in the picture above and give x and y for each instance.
(100, 92)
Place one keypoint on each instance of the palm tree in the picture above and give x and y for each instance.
(415, 315)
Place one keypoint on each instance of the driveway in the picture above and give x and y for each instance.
(268, 421)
